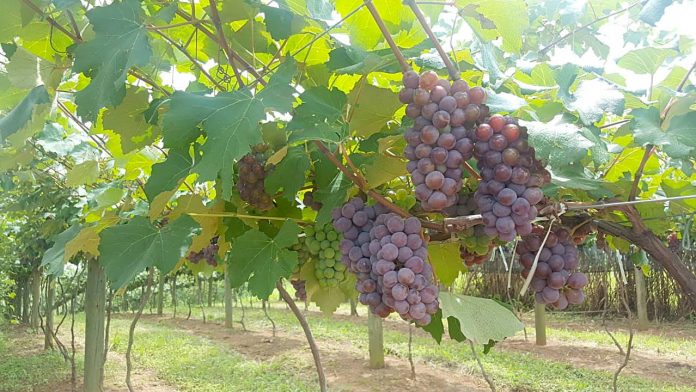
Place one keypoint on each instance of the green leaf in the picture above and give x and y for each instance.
(262, 261)
(127, 250)
(383, 169)
(504, 102)
(120, 42)
(331, 195)
(653, 10)
(319, 105)
(26, 70)
(435, 328)
(52, 139)
(22, 113)
(166, 175)
(322, 132)
(593, 98)
(509, 20)
(677, 141)
(444, 256)
(281, 23)
(84, 173)
(480, 319)
(645, 60)
(372, 107)
(558, 143)
(128, 120)
(53, 259)
(363, 30)
(289, 174)
(10, 21)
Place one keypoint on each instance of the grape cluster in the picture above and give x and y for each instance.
(438, 142)
(404, 279)
(511, 178)
(556, 281)
(209, 254)
(673, 242)
(300, 289)
(324, 243)
(252, 172)
(475, 246)
(308, 201)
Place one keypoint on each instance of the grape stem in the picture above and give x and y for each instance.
(576, 206)
(536, 260)
(387, 36)
(308, 333)
(483, 371)
(453, 72)
(131, 332)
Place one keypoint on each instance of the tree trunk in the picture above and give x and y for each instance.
(211, 286)
(376, 340)
(19, 298)
(540, 324)
(173, 284)
(50, 299)
(160, 296)
(641, 299)
(229, 319)
(641, 236)
(35, 297)
(95, 304)
(26, 301)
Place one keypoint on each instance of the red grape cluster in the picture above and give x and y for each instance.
(556, 281)
(308, 201)
(511, 178)
(438, 142)
(209, 254)
(300, 289)
(404, 278)
(252, 172)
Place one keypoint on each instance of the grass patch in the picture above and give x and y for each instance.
(23, 367)
(194, 363)
(516, 371)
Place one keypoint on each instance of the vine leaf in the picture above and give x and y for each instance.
(86, 172)
(55, 257)
(120, 42)
(492, 19)
(480, 319)
(446, 261)
(281, 23)
(10, 20)
(261, 260)
(166, 175)
(653, 10)
(331, 195)
(319, 106)
(18, 118)
(372, 107)
(289, 174)
(209, 224)
(559, 143)
(127, 250)
(593, 98)
(677, 141)
(128, 120)
(645, 60)
(383, 169)
(436, 329)
(86, 241)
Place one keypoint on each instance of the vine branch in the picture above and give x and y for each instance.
(451, 69)
(649, 149)
(131, 332)
(215, 16)
(387, 36)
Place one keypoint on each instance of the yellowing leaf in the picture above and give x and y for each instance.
(383, 169)
(87, 241)
(446, 261)
(84, 173)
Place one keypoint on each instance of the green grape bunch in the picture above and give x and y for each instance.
(323, 243)
(475, 246)
(303, 254)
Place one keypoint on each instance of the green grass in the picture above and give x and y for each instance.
(515, 371)
(23, 368)
(194, 363)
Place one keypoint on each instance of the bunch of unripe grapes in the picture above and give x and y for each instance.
(556, 281)
(475, 246)
(252, 172)
(511, 178)
(323, 242)
(438, 142)
(302, 253)
(209, 254)
(401, 197)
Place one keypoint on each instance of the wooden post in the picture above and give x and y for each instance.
(229, 319)
(376, 337)
(50, 299)
(641, 299)
(95, 307)
(211, 286)
(35, 297)
(540, 324)
(160, 294)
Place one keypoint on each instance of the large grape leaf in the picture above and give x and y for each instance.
(127, 250)
(120, 42)
(319, 105)
(289, 174)
(507, 19)
(363, 30)
(645, 60)
(480, 319)
(86, 172)
(128, 120)
(331, 195)
(446, 261)
(55, 257)
(593, 98)
(383, 169)
(22, 113)
(209, 223)
(166, 175)
(371, 108)
(281, 23)
(86, 241)
(10, 20)
(558, 143)
(261, 260)
(677, 140)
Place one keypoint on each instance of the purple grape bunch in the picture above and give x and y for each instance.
(300, 289)
(399, 267)
(209, 254)
(438, 142)
(556, 281)
(511, 178)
